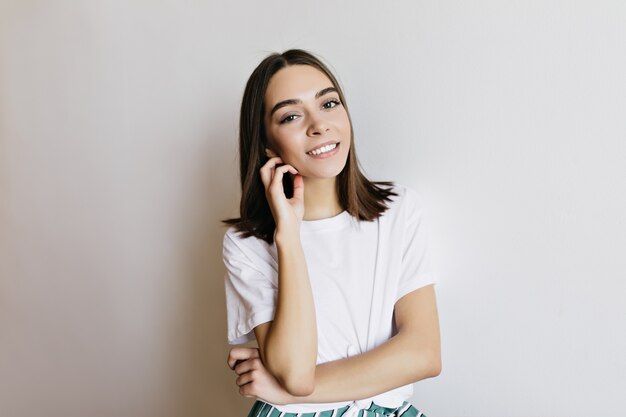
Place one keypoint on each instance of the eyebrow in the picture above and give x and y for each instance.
(298, 101)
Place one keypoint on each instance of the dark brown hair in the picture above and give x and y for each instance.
(357, 195)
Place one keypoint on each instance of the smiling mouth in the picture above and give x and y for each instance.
(323, 149)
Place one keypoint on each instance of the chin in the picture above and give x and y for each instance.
(325, 174)
(321, 170)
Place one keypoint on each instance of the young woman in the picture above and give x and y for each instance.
(326, 269)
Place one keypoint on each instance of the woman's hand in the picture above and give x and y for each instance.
(254, 380)
(286, 212)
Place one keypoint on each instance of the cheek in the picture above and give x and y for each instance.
(275, 138)
(286, 144)
(341, 118)
(346, 131)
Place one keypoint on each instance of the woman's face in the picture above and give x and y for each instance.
(306, 123)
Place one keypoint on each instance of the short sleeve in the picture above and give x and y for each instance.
(416, 270)
(250, 287)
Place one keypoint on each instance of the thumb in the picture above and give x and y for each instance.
(298, 187)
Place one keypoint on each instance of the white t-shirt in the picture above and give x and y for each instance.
(357, 269)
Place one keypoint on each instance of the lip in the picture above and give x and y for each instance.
(330, 142)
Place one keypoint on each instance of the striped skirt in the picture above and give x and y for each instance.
(263, 409)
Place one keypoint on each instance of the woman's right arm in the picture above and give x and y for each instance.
(288, 344)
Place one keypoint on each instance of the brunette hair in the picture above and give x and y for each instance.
(360, 197)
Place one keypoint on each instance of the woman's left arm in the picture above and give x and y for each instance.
(413, 354)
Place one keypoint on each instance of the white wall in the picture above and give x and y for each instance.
(118, 125)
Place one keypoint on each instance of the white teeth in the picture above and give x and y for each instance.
(323, 149)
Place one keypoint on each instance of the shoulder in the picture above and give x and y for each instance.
(406, 199)
(232, 235)
(235, 242)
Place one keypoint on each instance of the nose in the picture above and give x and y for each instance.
(317, 125)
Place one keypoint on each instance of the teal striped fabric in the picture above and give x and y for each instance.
(263, 409)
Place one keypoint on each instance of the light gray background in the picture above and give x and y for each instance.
(118, 123)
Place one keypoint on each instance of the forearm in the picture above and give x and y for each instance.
(291, 343)
(397, 362)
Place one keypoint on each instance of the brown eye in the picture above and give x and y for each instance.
(287, 119)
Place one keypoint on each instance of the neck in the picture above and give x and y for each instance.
(320, 198)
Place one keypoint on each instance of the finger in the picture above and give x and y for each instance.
(248, 390)
(298, 187)
(247, 366)
(233, 358)
(242, 354)
(244, 379)
(279, 173)
(267, 169)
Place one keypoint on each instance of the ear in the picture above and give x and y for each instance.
(270, 153)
